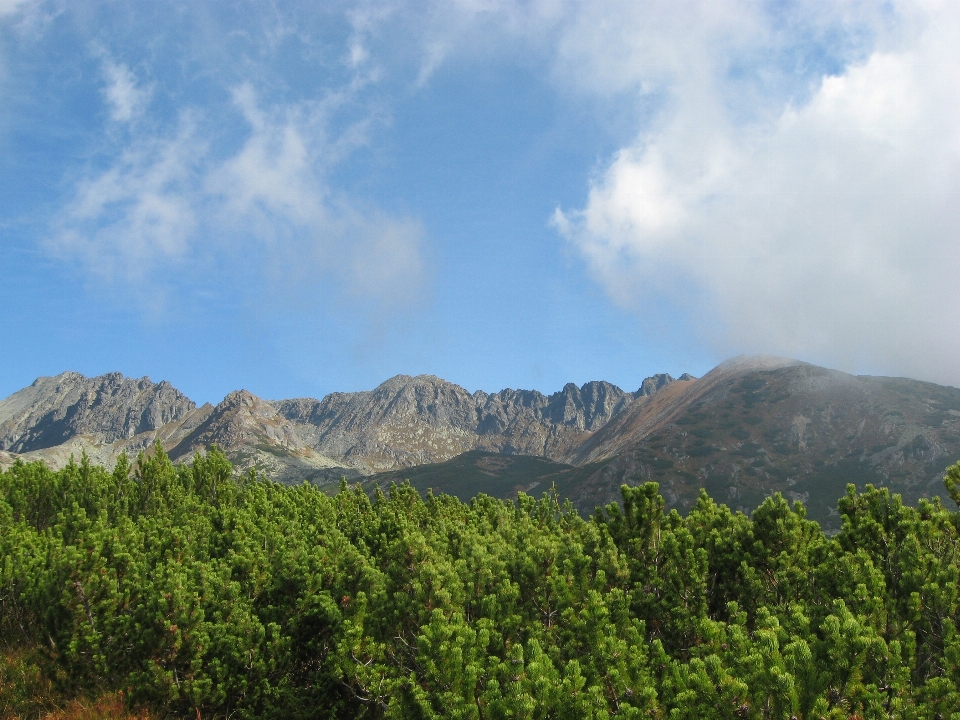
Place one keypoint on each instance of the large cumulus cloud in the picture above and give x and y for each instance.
(819, 221)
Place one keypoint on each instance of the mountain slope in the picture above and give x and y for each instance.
(646, 417)
(410, 421)
(750, 428)
(405, 422)
(106, 409)
(476, 471)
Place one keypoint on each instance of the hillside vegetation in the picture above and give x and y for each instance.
(197, 592)
(744, 432)
(751, 427)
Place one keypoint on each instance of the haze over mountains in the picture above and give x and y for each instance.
(750, 427)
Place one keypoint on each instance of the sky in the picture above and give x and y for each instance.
(297, 198)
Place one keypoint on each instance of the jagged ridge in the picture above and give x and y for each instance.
(750, 427)
(107, 408)
(404, 422)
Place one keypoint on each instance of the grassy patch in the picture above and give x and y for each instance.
(27, 691)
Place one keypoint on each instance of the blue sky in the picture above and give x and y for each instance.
(298, 198)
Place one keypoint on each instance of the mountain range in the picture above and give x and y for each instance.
(405, 422)
(751, 426)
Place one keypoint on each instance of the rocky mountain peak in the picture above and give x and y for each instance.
(405, 421)
(587, 407)
(655, 383)
(238, 398)
(751, 426)
(109, 407)
(394, 384)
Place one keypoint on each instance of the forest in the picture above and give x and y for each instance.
(195, 591)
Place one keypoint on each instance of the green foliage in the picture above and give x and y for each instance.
(201, 592)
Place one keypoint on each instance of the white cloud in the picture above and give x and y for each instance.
(792, 180)
(139, 212)
(124, 94)
(10, 7)
(266, 207)
(274, 171)
(275, 188)
(385, 261)
(828, 229)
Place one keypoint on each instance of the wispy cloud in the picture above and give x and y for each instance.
(9, 7)
(248, 183)
(125, 95)
(129, 221)
(274, 191)
(274, 173)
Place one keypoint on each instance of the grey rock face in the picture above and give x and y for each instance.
(526, 422)
(107, 408)
(410, 421)
(655, 383)
(406, 421)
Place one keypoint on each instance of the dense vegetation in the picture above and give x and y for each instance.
(198, 592)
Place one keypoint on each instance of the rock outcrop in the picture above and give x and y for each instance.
(105, 409)
(405, 422)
